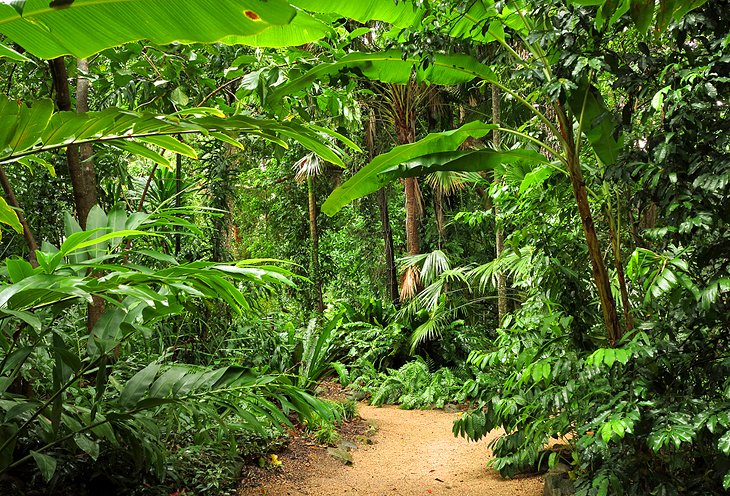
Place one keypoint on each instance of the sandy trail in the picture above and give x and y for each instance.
(414, 454)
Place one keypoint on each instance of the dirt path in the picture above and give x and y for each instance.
(414, 454)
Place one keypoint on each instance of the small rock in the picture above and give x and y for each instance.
(341, 455)
(346, 445)
(355, 395)
(558, 484)
(364, 440)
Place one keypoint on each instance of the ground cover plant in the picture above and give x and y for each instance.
(518, 207)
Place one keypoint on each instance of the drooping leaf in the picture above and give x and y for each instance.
(391, 67)
(9, 216)
(369, 178)
(28, 130)
(89, 26)
(8, 53)
(46, 464)
(599, 126)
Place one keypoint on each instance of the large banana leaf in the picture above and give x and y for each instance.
(28, 130)
(84, 27)
(400, 14)
(391, 67)
(598, 125)
(379, 172)
(307, 28)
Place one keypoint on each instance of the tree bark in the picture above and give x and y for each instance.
(618, 264)
(13, 202)
(499, 231)
(314, 237)
(600, 275)
(392, 275)
(79, 159)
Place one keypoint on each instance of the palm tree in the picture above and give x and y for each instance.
(398, 105)
(306, 170)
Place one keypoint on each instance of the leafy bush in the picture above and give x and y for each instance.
(411, 386)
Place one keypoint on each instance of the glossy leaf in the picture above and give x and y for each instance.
(390, 67)
(370, 178)
(86, 27)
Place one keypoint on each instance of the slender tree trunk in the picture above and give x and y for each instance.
(13, 202)
(79, 159)
(314, 237)
(618, 264)
(392, 281)
(600, 275)
(413, 243)
(178, 199)
(438, 207)
(499, 232)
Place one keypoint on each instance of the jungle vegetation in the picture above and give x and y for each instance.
(210, 206)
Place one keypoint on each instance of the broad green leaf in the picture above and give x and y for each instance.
(18, 269)
(369, 178)
(390, 67)
(536, 177)
(46, 464)
(9, 217)
(303, 29)
(723, 444)
(31, 122)
(642, 12)
(86, 27)
(400, 14)
(171, 144)
(138, 385)
(88, 446)
(8, 53)
(26, 317)
(598, 124)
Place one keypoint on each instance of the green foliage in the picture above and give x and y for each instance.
(411, 386)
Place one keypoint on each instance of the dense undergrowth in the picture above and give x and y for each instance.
(171, 296)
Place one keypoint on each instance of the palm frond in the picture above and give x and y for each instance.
(307, 166)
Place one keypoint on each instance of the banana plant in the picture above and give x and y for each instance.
(29, 130)
(84, 401)
(84, 27)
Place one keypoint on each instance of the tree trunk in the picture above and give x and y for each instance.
(413, 244)
(438, 207)
(314, 237)
(392, 281)
(618, 264)
(499, 231)
(600, 275)
(13, 202)
(79, 159)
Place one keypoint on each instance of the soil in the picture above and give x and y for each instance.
(413, 452)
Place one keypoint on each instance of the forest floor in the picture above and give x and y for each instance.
(413, 452)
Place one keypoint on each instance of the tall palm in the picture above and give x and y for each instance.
(398, 104)
(306, 170)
